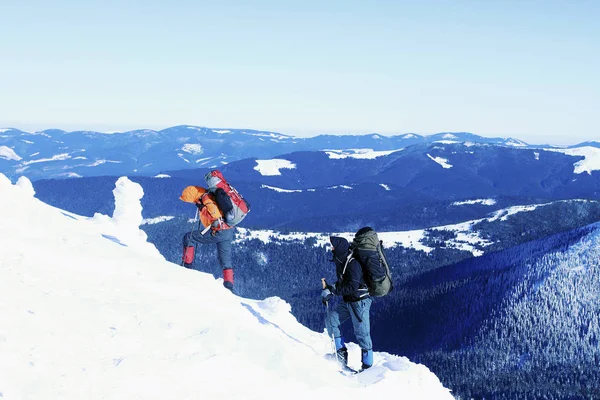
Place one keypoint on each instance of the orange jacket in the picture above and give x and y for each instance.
(210, 214)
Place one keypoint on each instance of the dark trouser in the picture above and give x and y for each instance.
(359, 313)
(221, 238)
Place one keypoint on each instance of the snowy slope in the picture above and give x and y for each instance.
(91, 311)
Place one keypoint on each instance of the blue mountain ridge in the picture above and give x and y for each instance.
(401, 190)
(55, 153)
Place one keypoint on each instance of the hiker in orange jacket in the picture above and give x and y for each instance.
(215, 231)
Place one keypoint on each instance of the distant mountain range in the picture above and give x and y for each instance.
(423, 185)
(56, 153)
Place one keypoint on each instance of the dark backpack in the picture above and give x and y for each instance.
(368, 251)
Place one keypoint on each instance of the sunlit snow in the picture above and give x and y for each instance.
(358, 153)
(442, 161)
(192, 148)
(485, 202)
(591, 161)
(515, 143)
(8, 154)
(183, 157)
(466, 238)
(102, 316)
(272, 167)
(340, 186)
(100, 162)
(280, 189)
(446, 141)
(273, 136)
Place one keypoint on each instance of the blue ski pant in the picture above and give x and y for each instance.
(223, 239)
(358, 312)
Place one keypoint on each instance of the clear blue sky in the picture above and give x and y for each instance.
(528, 69)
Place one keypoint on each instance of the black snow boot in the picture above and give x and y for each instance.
(342, 356)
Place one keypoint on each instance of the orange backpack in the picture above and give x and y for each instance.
(210, 214)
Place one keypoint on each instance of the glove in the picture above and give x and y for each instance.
(199, 205)
(326, 295)
(331, 288)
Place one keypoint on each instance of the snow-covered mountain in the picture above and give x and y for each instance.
(59, 154)
(446, 167)
(91, 310)
(420, 186)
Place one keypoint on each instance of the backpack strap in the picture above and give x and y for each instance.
(348, 259)
(383, 258)
(214, 211)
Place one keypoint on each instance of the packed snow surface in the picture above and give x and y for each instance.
(8, 154)
(103, 316)
(358, 153)
(272, 167)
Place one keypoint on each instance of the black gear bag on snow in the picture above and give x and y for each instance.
(367, 249)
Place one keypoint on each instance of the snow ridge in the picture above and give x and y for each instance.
(142, 337)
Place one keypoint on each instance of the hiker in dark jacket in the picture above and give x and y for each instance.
(356, 303)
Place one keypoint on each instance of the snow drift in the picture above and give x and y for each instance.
(90, 310)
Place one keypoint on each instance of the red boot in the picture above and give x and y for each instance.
(188, 256)
(228, 278)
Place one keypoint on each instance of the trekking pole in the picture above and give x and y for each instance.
(332, 337)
